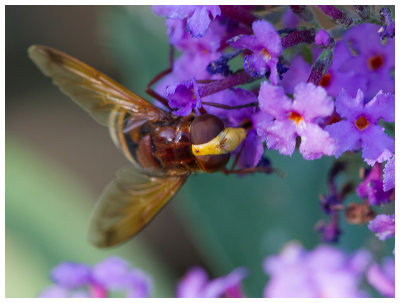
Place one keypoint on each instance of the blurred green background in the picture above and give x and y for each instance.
(58, 161)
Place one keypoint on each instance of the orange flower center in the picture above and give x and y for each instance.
(361, 123)
(326, 80)
(375, 62)
(266, 54)
(295, 117)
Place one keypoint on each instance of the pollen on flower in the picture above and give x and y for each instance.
(326, 80)
(266, 54)
(375, 62)
(295, 117)
(361, 123)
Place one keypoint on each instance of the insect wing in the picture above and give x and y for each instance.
(99, 95)
(128, 204)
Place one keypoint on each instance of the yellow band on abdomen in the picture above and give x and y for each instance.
(226, 142)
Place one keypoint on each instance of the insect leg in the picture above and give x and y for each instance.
(158, 77)
(230, 107)
(251, 170)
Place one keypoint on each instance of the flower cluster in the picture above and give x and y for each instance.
(327, 92)
(113, 276)
(329, 113)
(335, 103)
(323, 272)
(76, 280)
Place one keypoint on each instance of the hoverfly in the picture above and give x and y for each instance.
(163, 148)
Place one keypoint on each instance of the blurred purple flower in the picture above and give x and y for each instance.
(372, 187)
(196, 284)
(382, 278)
(290, 19)
(322, 273)
(297, 118)
(383, 226)
(374, 60)
(330, 231)
(70, 274)
(360, 128)
(322, 37)
(113, 274)
(298, 72)
(196, 17)
(266, 47)
(388, 175)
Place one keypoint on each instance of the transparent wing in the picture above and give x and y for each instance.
(99, 95)
(128, 204)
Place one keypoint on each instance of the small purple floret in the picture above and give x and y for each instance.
(372, 187)
(375, 61)
(383, 226)
(184, 97)
(322, 37)
(360, 128)
(266, 48)
(297, 118)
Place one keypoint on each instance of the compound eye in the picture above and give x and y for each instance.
(203, 129)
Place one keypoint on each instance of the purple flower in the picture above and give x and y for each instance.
(360, 128)
(322, 37)
(113, 274)
(70, 274)
(184, 97)
(196, 284)
(388, 175)
(337, 79)
(196, 17)
(324, 272)
(116, 274)
(374, 60)
(266, 47)
(372, 187)
(382, 226)
(382, 278)
(299, 117)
